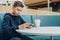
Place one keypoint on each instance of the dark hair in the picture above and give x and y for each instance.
(18, 3)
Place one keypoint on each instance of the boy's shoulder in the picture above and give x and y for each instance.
(7, 15)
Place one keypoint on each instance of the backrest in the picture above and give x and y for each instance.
(48, 20)
(1, 19)
(26, 18)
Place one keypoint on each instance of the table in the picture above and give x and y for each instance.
(46, 31)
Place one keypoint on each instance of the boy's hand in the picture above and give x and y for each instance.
(25, 25)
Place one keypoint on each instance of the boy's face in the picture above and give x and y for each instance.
(17, 10)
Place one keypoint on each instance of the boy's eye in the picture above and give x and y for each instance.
(19, 10)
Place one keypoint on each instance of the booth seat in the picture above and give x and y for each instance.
(46, 20)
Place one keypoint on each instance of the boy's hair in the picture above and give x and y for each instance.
(18, 3)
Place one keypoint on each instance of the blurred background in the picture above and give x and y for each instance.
(32, 6)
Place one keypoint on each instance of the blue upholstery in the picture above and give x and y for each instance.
(46, 20)
(26, 18)
(49, 20)
(1, 19)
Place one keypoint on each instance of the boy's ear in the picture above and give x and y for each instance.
(12, 7)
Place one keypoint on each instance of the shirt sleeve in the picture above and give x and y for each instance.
(6, 24)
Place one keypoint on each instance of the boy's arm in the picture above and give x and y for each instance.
(6, 24)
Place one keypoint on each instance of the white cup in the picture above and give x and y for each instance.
(37, 23)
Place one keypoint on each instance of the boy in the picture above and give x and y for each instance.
(13, 21)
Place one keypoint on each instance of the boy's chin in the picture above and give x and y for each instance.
(16, 14)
